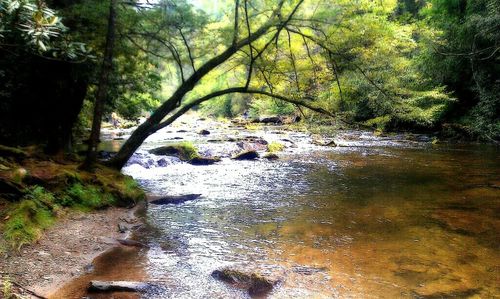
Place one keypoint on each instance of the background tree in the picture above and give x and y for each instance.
(464, 56)
(102, 89)
(43, 74)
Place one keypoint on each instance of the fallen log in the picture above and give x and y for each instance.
(118, 286)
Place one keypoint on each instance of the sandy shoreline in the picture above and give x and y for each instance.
(66, 251)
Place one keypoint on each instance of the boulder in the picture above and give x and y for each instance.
(173, 199)
(204, 160)
(246, 155)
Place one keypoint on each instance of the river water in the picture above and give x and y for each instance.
(379, 217)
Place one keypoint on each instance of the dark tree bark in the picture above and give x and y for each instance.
(102, 90)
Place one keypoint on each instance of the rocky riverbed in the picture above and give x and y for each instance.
(349, 214)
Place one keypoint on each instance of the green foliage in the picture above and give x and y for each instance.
(40, 28)
(6, 288)
(262, 106)
(274, 147)
(464, 56)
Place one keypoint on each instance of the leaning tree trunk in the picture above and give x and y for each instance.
(102, 89)
(153, 123)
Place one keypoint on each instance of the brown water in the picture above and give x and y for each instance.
(379, 219)
(119, 263)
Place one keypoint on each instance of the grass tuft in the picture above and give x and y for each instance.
(34, 213)
(274, 147)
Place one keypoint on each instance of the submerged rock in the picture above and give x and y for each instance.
(246, 155)
(256, 285)
(174, 199)
(308, 270)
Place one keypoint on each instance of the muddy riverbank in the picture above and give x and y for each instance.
(67, 250)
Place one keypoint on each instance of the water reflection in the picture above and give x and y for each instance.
(369, 222)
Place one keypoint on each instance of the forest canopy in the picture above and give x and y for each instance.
(421, 65)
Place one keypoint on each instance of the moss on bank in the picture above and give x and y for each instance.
(47, 190)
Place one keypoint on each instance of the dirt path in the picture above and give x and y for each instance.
(67, 249)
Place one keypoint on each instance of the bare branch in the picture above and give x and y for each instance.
(252, 59)
(243, 90)
(292, 58)
(188, 49)
(337, 53)
(147, 51)
(336, 74)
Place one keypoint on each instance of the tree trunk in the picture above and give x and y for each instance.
(102, 90)
(152, 124)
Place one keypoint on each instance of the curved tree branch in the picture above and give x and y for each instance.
(243, 90)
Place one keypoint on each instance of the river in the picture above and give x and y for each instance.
(378, 217)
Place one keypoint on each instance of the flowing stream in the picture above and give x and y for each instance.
(378, 217)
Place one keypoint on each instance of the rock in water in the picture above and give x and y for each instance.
(246, 155)
(167, 150)
(204, 132)
(319, 140)
(271, 156)
(256, 285)
(271, 120)
(204, 160)
(174, 199)
(260, 286)
(118, 286)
